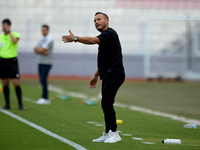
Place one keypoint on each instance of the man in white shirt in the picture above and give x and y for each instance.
(44, 56)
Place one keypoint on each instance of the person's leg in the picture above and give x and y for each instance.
(107, 105)
(18, 91)
(4, 74)
(43, 79)
(15, 77)
(40, 68)
(6, 92)
(110, 87)
(42, 72)
(47, 70)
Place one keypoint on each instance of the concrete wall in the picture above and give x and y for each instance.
(85, 65)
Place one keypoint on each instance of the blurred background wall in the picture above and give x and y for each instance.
(158, 37)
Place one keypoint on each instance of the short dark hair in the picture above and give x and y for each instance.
(102, 14)
(7, 21)
(45, 26)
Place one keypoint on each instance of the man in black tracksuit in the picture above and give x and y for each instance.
(110, 70)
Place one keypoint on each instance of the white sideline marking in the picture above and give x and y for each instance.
(99, 125)
(135, 138)
(158, 113)
(76, 146)
(148, 143)
(92, 122)
(28, 100)
(73, 94)
(126, 134)
(132, 107)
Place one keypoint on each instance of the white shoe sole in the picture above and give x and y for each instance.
(45, 103)
(115, 141)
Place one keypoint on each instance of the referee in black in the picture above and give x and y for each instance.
(110, 70)
(8, 63)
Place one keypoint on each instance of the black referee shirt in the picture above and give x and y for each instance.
(109, 54)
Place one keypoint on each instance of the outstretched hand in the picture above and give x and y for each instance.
(68, 38)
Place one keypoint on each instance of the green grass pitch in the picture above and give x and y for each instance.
(69, 118)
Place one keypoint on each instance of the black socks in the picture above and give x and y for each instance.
(18, 91)
(19, 94)
(6, 92)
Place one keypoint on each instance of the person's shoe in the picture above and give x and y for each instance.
(6, 107)
(21, 108)
(43, 101)
(102, 138)
(113, 137)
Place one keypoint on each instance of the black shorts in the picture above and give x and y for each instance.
(9, 68)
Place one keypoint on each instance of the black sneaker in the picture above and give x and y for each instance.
(22, 108)
(6, 107)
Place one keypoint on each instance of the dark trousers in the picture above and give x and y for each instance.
(110, 86)
(43, 73)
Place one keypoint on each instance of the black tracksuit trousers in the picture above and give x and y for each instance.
(110, 86)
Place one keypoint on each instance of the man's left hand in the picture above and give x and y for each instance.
(68, 38)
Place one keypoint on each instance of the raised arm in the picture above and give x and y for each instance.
(84, 40)
(14, 39)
